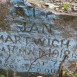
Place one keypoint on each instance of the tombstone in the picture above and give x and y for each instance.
(16, 1)
(38, 42)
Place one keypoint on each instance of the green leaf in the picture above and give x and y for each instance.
(65, 6)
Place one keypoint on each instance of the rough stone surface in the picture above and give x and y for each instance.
(37, 40)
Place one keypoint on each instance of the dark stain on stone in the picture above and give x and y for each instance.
(19, 11)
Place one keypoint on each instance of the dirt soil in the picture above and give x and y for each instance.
(40, 3)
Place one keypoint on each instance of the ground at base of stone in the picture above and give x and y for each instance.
(40, 3)
(3, 73)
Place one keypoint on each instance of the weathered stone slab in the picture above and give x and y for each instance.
(37, 41)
